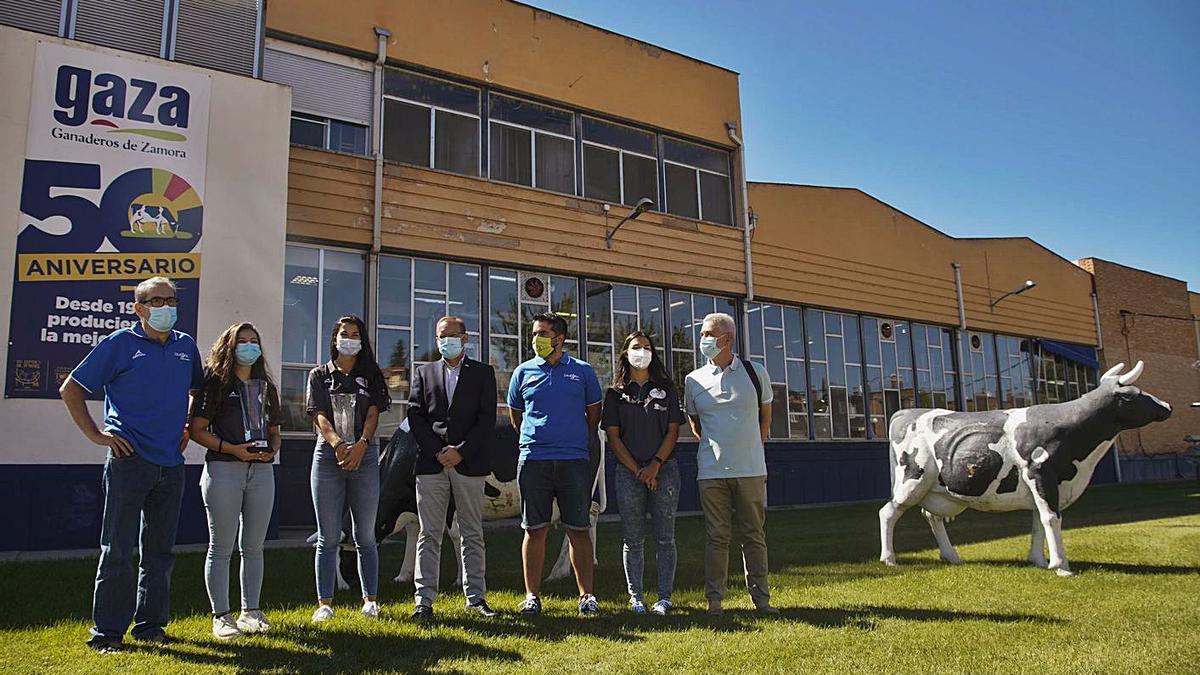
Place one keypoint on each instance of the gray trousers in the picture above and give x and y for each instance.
(239, 498)
(433, 500)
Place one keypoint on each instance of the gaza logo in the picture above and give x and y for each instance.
(107, 98)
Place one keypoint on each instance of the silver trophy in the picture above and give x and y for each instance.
(254, 413)
(343, 416)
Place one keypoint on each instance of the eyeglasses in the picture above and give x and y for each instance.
(159, 302)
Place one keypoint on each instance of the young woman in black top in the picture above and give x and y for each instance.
(642, 418)
(345, 398)
(238, 482)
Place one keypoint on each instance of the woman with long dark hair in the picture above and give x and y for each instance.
(238, 482)
(345, 399)
(642, 417)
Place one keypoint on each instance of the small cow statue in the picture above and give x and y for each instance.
(1039, 458)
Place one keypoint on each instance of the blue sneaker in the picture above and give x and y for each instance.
(637, 606)
(588, 605)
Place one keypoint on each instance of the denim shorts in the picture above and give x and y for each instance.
(543, 481)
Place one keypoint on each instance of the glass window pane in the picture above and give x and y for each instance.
(599, 317)
(301, 336)
(346, 137)
(624, 298)
(854, 386)
(870, 332)
(681, 191)
(814, 322)
(837, 360)
(509, 155)
(564, 300)
(456, 143)
(754, 313)
(618, 136)
(696, 155)
(850, 339)
(413, 87)
(818, 395)
(775, 363)
(641, 179)
(405, 133)
(799, 427)
(502, 297)
(651, 316)
(504, 356)
(393, 357)
(623, 325)
(291, 399)
(714, 198)
(427, 309)
(601, 358)
(429, 275)
(307, 132)
(903, 345)
(833, 323)
(344, 287)
(779, 416)
(464, 295)
(555, 163)
(794, 332)
(840, 412)
(797, 396)
(681, 320)
(920, 346)
(821, 427)
(395, 292)
(685, 362)
(530, 114)
(772, 316)
(601, 174)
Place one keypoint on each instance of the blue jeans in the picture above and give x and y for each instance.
(635, 501)
(239, 497)
(333, 488)
(141, 503)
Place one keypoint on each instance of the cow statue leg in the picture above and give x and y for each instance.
(1037, 543)
(408, 521)
(908, 490)
(1045, 498)
(562, 565)
(937, 523)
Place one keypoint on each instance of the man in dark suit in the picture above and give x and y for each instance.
(451, 411)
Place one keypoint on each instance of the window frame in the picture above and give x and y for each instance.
(533, 142)
(433, 110)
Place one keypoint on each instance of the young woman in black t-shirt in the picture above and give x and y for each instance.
(238, 482)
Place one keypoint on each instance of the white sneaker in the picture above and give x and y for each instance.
(370, 609)
(225, 628)
(323, 613)
(253, 622)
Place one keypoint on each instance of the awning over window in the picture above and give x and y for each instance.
(1077, 353)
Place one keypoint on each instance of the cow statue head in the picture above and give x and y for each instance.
(1132, 407)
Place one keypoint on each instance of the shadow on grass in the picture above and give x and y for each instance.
(331, 649)
(1083, 566)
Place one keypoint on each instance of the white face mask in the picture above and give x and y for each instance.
(639, 358)
(348, 346)
(709, 348)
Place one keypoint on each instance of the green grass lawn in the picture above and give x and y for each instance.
(1134, 606)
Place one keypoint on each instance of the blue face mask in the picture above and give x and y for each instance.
(450, 347)
(248, 353)
(162, 319)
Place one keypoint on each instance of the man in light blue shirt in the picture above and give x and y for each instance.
(728, 403)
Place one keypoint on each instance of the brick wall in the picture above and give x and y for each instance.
(1168, 347)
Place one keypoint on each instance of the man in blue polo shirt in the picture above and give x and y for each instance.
(555, 401)
(146, 373)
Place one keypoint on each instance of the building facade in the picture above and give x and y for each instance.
(474, 157)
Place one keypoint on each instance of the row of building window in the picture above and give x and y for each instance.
(434, 123)
(834, 375)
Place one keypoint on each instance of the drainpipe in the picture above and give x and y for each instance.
(377, 149)
(731, 129)
(962, 327)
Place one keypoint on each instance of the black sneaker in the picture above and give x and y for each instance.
(531, 607)
(155, 636)
(422, 613)
(482, 609)
(106, 646)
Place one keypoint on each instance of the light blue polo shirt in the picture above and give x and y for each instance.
(146, 386)
(724, 400)
(553, 400)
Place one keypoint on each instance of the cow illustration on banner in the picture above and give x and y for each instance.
(112, 193)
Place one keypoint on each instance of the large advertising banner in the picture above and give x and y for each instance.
(112, 193)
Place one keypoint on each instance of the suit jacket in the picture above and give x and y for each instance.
(436, 422)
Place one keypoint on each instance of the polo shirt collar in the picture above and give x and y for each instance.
(539, 361)
(734, 365)
(139, 331)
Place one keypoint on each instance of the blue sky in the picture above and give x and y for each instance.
(1075, 123)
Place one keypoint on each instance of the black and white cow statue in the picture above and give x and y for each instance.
(1039, 458)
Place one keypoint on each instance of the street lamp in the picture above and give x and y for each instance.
(1029, 283)
(643, 204)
